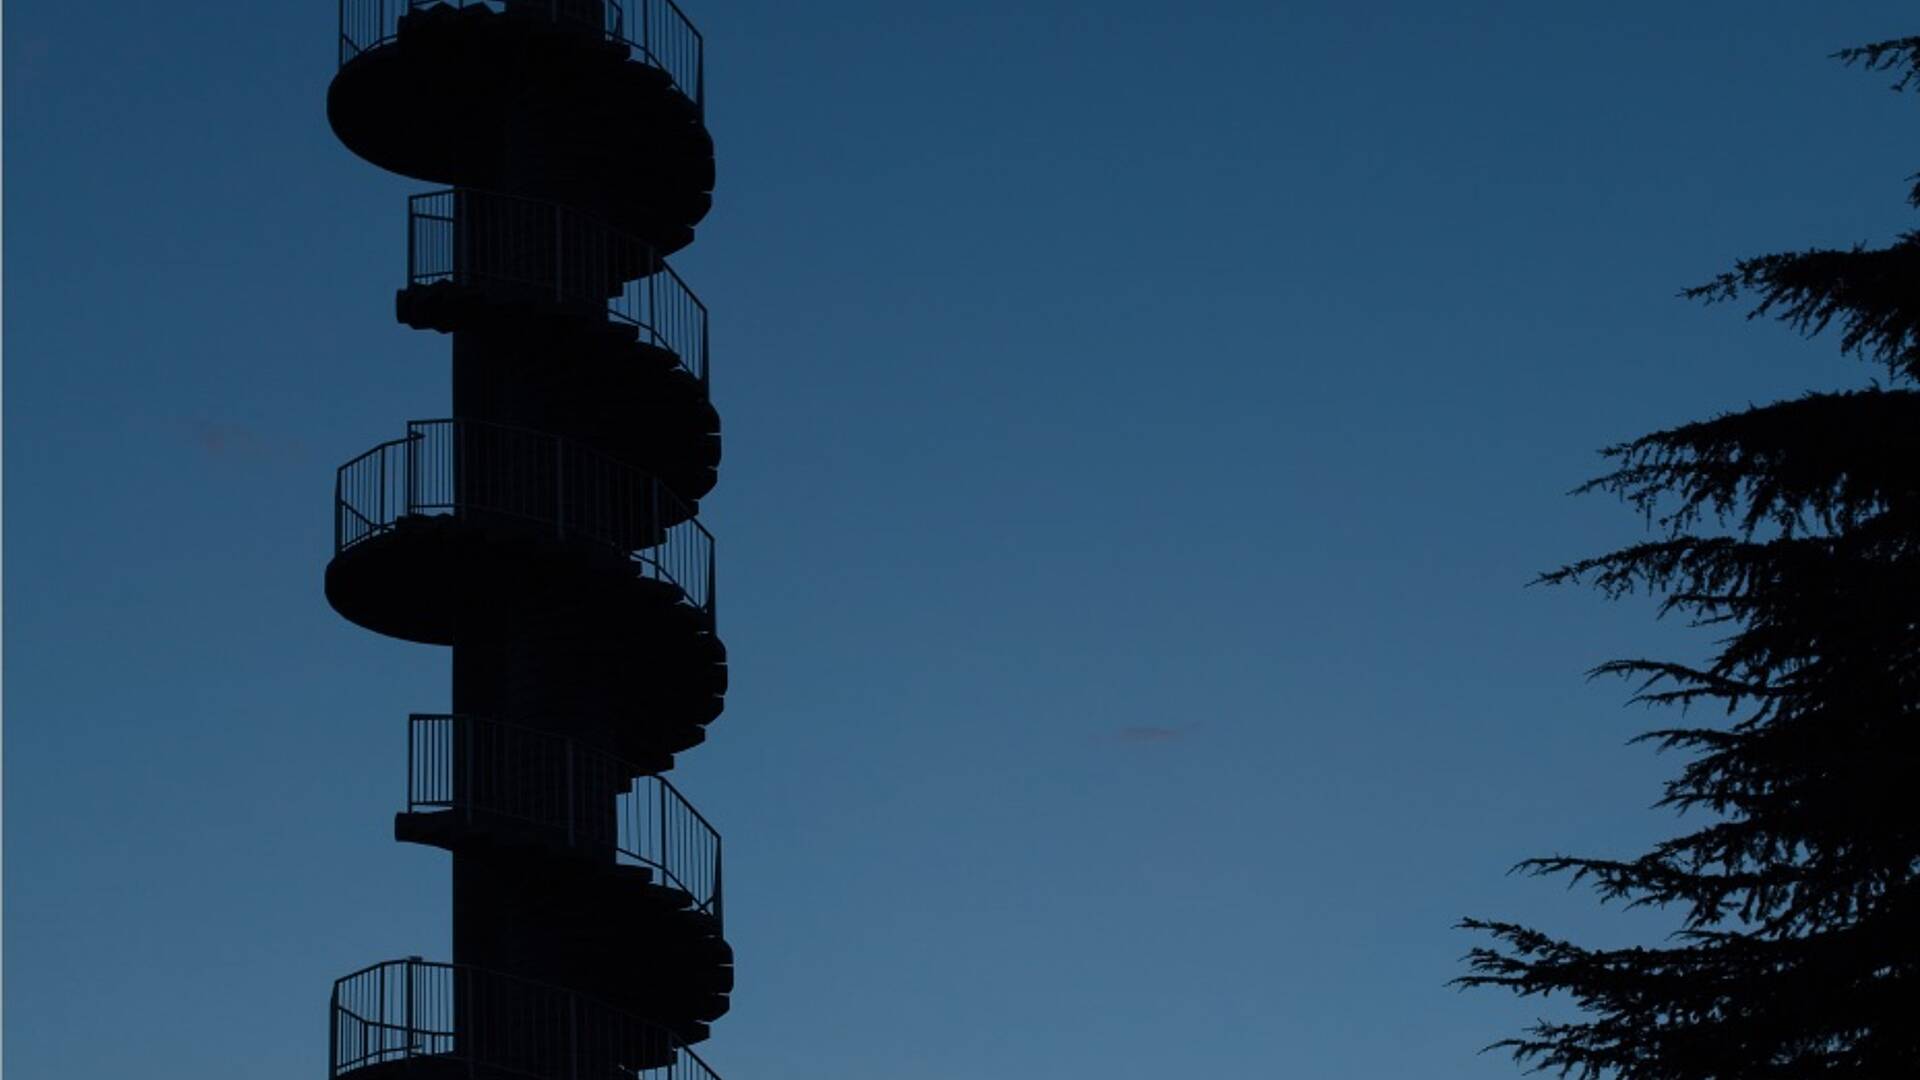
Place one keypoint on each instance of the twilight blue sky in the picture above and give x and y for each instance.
(1142, 422)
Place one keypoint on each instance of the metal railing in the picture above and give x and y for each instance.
(526, 249)
(527, 479)
(496, 1025)
(584, 797)
(657, 31)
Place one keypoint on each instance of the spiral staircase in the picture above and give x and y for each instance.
(547, 533)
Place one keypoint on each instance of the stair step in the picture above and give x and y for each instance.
(668, 897)
(630, 874)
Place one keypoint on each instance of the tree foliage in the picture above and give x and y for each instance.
(1793, 529)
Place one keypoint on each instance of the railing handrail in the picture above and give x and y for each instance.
(529, 729)
(366, 25)
(441, 1023)
(368, 970)
(692, 29)
(701, 884)
(380, 449)
(688, 805)
(337, 1007)
(411, 962)
(700, 368)
(698, 93)
(605, 506)
(442, 246)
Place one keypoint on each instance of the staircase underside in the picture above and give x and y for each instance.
(487, 99)
(630, 940)
(627, 398)
(583, 635)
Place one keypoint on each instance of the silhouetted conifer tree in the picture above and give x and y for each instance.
(1794, 530)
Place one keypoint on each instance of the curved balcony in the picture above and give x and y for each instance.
(655, 32)
(462, 516)
(474, 780)
(500, 475)
(418, 1018)
(468, 250)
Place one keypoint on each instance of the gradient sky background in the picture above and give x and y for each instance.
(1143, 420)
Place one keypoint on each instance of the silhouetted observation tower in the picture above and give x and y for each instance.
(548, 533)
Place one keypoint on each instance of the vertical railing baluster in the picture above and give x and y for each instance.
(462, 237)
(713, 589)
(573, 1037)
(409, 1034)
(463, 1041)
(382, 997)
(463, 736)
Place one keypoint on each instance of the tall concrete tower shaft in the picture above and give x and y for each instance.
(547, 532)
